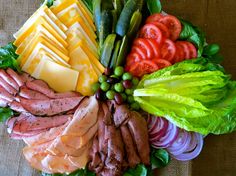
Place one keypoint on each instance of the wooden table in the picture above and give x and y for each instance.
(215, 17)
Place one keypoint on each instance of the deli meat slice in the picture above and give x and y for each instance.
(6, 95)
(42, 87)
(8, 79)
(7, 87)
(50, 107)
(31, 94)
(16, 106)
(15, 77)
(3, 102)
(138, 128)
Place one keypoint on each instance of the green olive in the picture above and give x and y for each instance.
(102, 78)
(119, 71)
(127, 76)
(110, 94)
(119, 87)
(105, 86)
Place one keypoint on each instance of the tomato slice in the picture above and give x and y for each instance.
(151, 31)
(173, 24)
(143, 43)
(132, 58)
(179, 56)
(162, 63)
(192, 50)
(154, 18)
(185, 48)
(168, 50)
(156, 47)
(163, 28)
(144, 67)
(141, 51)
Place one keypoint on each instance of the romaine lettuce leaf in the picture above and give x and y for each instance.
(195, 95)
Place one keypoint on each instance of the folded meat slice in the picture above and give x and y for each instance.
(7, 87)
(131, 151)
(25, 77)
(31, 94)
(121, 115)
(138, 129)
(46, 136)
(16, 106)
(96, 163)
(6, 95)
(15, 77)
(29, 124)
(50, 107)
(42, 87)
(6, 77)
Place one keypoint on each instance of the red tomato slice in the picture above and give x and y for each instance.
(144, 67)
(141, 51)
(168, 50)
(163, 28)
(161, 63)
(174, 26)
(185, 48)
(179, 56)
(156, 47)
(143, 43)
(132, 58)
(151, 31)
(192, 50)
(154, 18)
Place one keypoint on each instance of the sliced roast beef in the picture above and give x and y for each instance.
(31, 94)
(101, 131)
(7, 87)
(6, 95)
(50, 107)
(110, 172)
(6, 77)
(25, 77)
(27, 123)
(16, 106)
(131, 150)
(121, 115)
(107, 115)
(138, 128)
(15, 77)
(96, 163)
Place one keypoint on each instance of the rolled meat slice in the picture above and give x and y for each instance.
(6, 77)
(31, 94)
(6, 95)
(138, 128)
(7, 87)
(16, 106)
(15, 77)
(50, 107)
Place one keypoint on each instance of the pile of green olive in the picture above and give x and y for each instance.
(118, 86)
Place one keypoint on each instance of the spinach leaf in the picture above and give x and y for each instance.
(159, 158)
(8, 57)
(193, 34)
(5, 114)
(212, 53)
(154, 6)
(139, 170)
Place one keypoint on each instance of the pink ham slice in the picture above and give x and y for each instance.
(15, 77)
(6, 77)
(16, 106)
(6, 95)
(25, 77)
(3, 102)
(50, 107)
(31, 94)
(27, 123)
(7, 87)
(42, 87)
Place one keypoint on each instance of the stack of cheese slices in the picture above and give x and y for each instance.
(58, 45)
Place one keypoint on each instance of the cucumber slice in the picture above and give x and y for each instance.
(123, 52)
(135, 23)
(115, 54)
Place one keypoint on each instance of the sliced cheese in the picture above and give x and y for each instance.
(39, 67)
(81, 62)
(27, 52)
(74, 10)
(40, 13)
(76, 33)
(41, 32)
(38, 53)
(33, 27)
(59, 78)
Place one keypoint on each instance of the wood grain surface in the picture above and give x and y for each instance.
(215, 17)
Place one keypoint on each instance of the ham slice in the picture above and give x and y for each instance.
(50, 107)
(6, 77)
(31, 94)
(7, 87)
(3, 102)
(6, 95)
(15, 77)
(16, 106)
(25, 77)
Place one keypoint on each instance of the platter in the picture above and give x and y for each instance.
(174, 168)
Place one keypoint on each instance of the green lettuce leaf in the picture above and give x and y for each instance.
(195, 95)
(5, 114)
(8, 57)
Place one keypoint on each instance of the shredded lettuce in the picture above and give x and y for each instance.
(195, 95)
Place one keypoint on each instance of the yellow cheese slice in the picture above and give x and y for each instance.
(41, 32)
(38, 53)
(27, 51)
(36, 72)
(59, 78)
(28, 30)
(40, 13)
(80, 61)
(74, 10)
